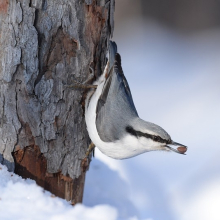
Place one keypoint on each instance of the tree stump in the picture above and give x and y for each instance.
(46, 44)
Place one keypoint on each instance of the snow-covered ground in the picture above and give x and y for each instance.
(175, 82)
(23, 200)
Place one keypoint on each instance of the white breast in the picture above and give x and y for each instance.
(127, 147)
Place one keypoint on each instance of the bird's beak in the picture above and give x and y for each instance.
(181, 149)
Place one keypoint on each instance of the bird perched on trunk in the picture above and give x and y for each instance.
(112, 120)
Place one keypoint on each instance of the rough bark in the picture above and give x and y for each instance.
(44, 45)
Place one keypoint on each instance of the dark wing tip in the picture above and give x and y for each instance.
(118, 63)
(112, 52)
(113, 45)
(119, 71)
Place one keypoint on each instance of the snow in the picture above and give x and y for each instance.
(23, 200)
(102, 184)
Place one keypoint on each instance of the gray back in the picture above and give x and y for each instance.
(115, 107)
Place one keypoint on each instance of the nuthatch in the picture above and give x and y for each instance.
(112, 120)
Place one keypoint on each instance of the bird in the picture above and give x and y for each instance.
(112, 121)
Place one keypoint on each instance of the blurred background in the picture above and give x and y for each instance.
(171, 57)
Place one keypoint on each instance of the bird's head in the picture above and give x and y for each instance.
(153, 137)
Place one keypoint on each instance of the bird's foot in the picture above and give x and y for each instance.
(84, 85)
(90, 149)
(78, 85)
(85, 161)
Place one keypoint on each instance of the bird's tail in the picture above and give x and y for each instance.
(112, 50)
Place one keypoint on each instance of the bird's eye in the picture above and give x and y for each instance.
(155, 138)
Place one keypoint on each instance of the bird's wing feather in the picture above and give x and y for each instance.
(115, 106)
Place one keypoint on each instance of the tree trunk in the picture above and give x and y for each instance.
(46, 44)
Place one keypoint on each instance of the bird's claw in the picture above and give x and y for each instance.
(90, 149)
(83, 85)
(85, 161)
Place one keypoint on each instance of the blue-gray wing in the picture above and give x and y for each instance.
(115, 107)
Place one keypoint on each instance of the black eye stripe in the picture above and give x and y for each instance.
(133, 132)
